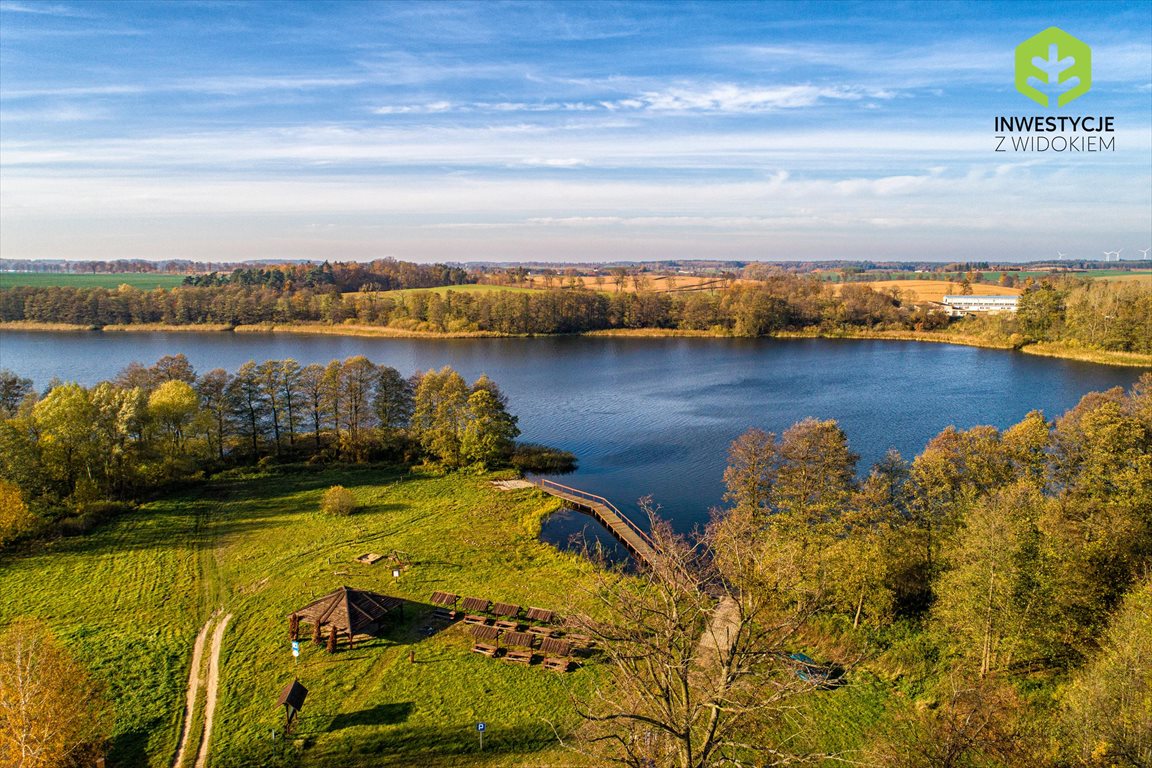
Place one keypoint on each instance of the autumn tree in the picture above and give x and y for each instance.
(248, 404)
(440, 414)
(753, 463)
(16, 519)
(392, 400)
(174, 405)
(357, 379)
(490, 432)
(52, 713)
(212, 387)
(1106, 717)
(986, 600)
(312, 389)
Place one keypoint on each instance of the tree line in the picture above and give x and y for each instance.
(1002, 578)
(72, 449)
(1095, 314)
(379, 275)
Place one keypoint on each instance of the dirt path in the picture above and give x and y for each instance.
(717, 639)
(210, 698)
(193, 690)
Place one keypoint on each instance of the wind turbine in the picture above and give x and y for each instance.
(1060, 255)
(1145, 252)
(1109, 254)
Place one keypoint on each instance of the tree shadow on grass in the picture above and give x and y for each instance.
(427, 745)
(191, 517)
(128, 749)
(392, 713)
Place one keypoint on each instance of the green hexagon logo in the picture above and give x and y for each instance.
(1053, 68)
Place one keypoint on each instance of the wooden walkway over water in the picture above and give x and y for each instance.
(636, 541)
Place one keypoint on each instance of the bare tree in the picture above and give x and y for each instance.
(699, 645)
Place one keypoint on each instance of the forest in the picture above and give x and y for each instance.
(1100, 315)
(997, 588)
(75, 454)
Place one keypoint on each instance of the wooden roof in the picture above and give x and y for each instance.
(352, 610)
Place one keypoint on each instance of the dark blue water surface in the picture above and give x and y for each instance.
(651, 416)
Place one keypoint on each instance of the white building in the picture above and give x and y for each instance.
(963, 305)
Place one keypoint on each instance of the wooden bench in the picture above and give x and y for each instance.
(508, 610)
(542, 631)
(520, 647)
(472, 618)
(556, 664)
(540, 615)
(510, 626)
(556, 654)
(485, 641)
(476, 605)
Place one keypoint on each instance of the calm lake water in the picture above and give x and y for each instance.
(651, 416)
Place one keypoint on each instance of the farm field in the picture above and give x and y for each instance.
(1145, 276)
(469, 288)
(143, 280)
(935, 290)
(646, 282)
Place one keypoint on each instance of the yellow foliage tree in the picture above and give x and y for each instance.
(52, 713)
(15, 517)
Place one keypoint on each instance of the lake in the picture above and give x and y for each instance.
(651, 416)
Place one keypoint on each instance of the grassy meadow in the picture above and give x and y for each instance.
(129, 598)
(142, 280)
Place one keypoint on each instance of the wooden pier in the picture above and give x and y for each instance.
(636, 541)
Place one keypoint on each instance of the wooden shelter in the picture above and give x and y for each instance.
(350, 611)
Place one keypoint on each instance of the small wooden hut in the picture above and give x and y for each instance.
(349, 611)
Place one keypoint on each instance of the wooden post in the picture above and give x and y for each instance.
(294, 627)
(316, 633)
(332, 638)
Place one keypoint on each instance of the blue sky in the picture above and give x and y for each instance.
(558, 131)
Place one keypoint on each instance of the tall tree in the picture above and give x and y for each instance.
(1106, 716)
(174, 405)
(248, 404)
(312, 389)
(13, 390)
(987, 599)
(440, 414)
(393, 399)
(291, 395)
(213, 390)
(490, 433)
(357, 379)
(753, 463)
(816, 474)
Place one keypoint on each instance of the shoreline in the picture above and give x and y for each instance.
(1061, 350)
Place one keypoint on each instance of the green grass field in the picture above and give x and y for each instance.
(129, 598)
(144, 281)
